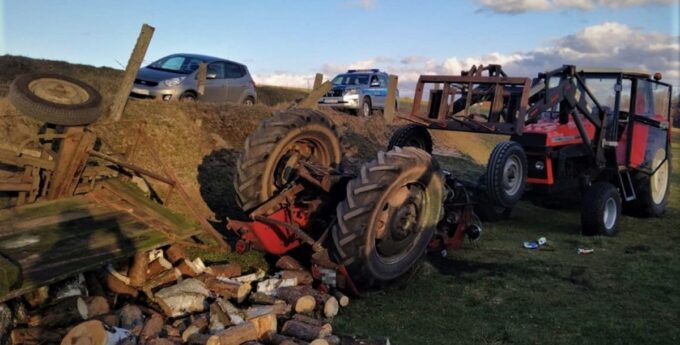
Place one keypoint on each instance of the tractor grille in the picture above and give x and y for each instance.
(146, 82)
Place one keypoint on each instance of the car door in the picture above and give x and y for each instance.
(378, 91)
(236, 82)
(215, 83)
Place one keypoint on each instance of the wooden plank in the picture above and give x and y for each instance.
(312, 99)
(45, 208)
(11, 158)
(200, 78)
(318, 79)
(131, 70)
(390, 101)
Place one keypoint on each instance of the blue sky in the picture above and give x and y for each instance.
(294, 39)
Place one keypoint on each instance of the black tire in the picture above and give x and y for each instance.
(651, 202)
(601, 210)
(259, 173)
(411, 180)
(56, 99)
(366, 108)
(506, 174)
(249, 101)
(188, 96)
(412, 135)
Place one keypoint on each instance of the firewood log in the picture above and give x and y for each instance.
(288, 263)
(252, 277)
(264, 323)
(273, 338)
(34, 336)
(279, 308)
(261, 298)
(332, 339)
(110, 319)
(137, 274)
(198, 339)
(325, 302)
(191, 268)
(164, 278)
(38, 296)
(176, 253)
(343, 300)
(269, 286)
(304, 331)
(172, 331)
(152, 328)
(131, 318)
(235, 335)
(224, 271)
(74, 286)
(189, 296)
(303, 277)
(158, 266)
(319, 341)
(118, 286)
(298, 298)
(228, 289)
(165, 341)
(197, 326)
(219, 320)
(236, 316)
(97, 305)
(94, 332)
(312, 321)
(94, 285)
(252, 342)
(62, 313)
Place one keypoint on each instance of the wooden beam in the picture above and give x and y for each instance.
(133, 65)
(11, 158)
(313, 98)
(200, 78)
(318, 79)
(391, 99)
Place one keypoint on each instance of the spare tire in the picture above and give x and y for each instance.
(264, 167)
(389, 216)
(56, 99)
(506, 174)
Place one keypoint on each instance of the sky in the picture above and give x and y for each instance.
(287, 42)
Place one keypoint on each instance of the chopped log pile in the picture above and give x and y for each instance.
(164, 297)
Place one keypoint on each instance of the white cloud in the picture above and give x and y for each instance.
(521, 6)
(608, 44)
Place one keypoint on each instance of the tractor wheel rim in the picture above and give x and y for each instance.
(512, 175)
(58, 91)
(399, 223)
(659, 181)
(610, 213)
(303, 149)
(366, 109)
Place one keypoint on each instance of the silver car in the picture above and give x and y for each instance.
(174, 77)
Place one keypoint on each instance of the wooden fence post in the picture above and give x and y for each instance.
(200, 81)
(313, 98)
(318, 79)
(131, 72)
(391, 99)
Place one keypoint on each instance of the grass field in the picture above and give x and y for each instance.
(496, 292)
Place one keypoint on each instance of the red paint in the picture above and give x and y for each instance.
(639, 147)
(274, 239)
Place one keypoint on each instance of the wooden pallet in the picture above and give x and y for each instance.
(48, 241)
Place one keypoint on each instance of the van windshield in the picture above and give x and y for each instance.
(177, 64)
(351, 79)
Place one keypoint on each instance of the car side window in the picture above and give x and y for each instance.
(234, 71)
(374, 80)
(383, 81)
(217, 68)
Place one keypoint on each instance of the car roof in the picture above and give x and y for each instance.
(206, 58)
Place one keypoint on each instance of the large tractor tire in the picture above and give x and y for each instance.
(276, 146)
(411, 135)
(506, 174)
(389, 216)
(56, 99)
(601, 210)
(652, 191)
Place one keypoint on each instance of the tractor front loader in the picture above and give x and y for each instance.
(603, 132)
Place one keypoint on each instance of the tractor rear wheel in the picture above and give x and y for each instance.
(601, 210)
(412, 135)
(652, 191)
(506, 174)
(276, 147)
(389, 216)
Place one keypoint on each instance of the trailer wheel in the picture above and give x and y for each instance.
(56, 99)
(601, 210)
(276, 146)
(411, 135)
(389, 215)
(506, 174)
(652, 190)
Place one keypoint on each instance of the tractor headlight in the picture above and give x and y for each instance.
(173, 82)
(539, 165)
(351, 91)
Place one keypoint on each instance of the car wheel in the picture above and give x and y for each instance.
(365, 109)
(188, 96)
(249, 101)
(601, 210)
(56, 99)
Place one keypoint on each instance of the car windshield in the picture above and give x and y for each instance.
(177, 64)
(351, 79)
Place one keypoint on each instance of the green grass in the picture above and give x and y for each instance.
(496, 292)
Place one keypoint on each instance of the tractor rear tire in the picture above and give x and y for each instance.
(506, 174)
(56, 99)
(412, 135)
(300, 134)
(652, 191)
(601, 210)
(389, 216)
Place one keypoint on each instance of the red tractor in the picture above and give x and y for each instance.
(602, 132)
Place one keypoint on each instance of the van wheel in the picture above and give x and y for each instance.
(601, 210)
(365, 109)
(188, 96)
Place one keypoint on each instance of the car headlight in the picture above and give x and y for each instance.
(173, 82)
(351, 91)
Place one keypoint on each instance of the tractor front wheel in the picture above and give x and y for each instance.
(506, 174)
(389, 216)
(601, 210)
